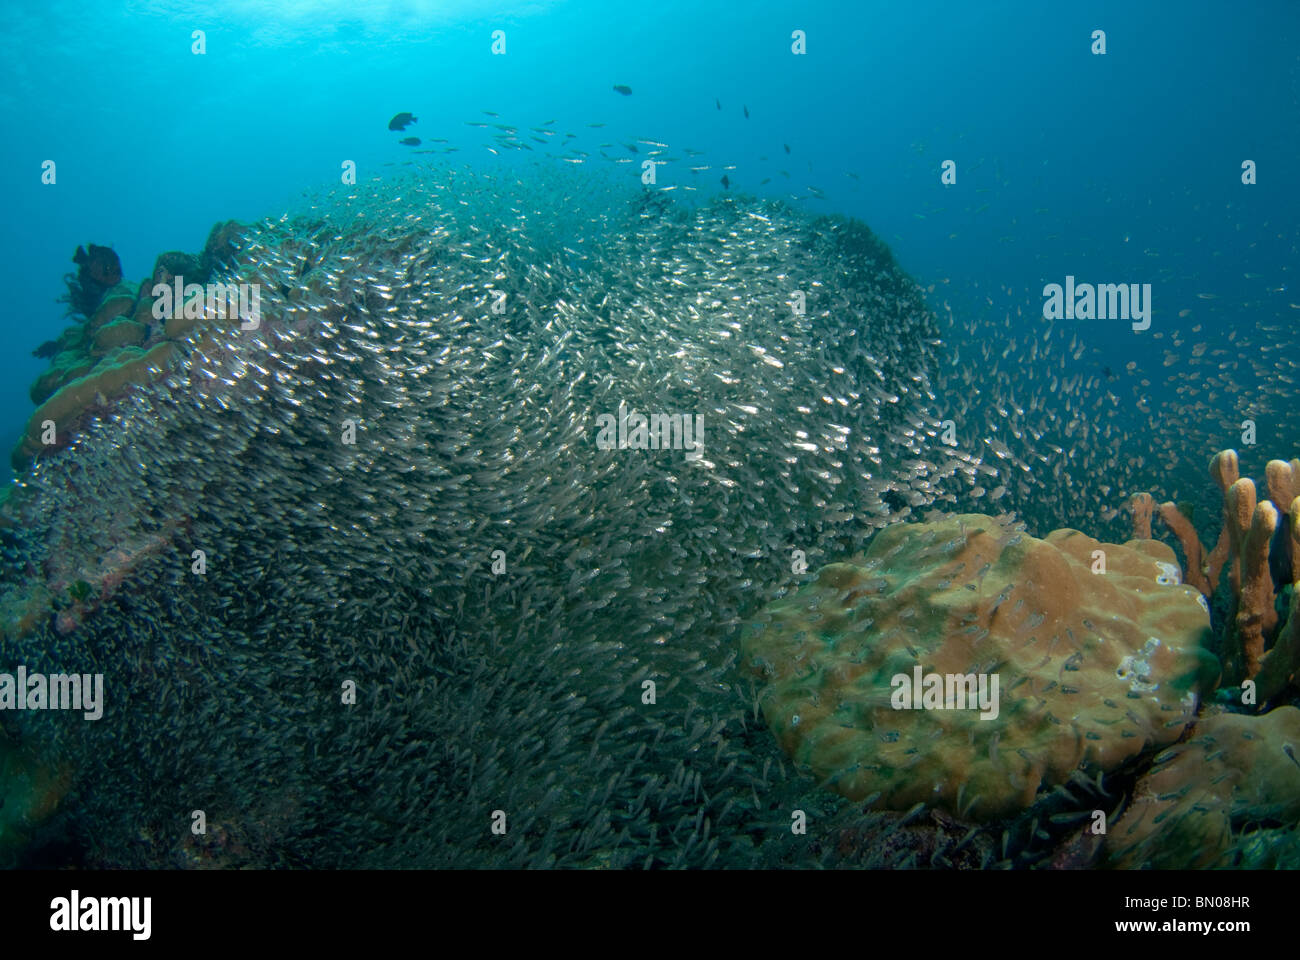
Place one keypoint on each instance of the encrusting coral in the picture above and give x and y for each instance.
(1237, 771)
(118, 370)
(119, 343)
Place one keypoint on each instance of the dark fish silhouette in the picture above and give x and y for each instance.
(746, 109)
(726, 184)
(97, 271)
(402, 121)
(100, 265)
(46, 350)
(410, 141)
(787, 147)
(619, 88)
(894, 500)
(717, 103)
(632, 147)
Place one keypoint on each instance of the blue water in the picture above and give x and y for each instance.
(1116, 168)
(1123, 167)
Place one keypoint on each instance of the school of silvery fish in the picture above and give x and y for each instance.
(395, 487)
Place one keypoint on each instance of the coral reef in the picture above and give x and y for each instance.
(73, 588)
(1097, 648)
(116, 371)
(1235, 774)
(119, 344)
(372, 562)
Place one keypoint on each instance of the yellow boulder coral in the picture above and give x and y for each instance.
(1093, 651)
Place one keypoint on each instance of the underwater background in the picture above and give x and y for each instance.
(425, 640)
